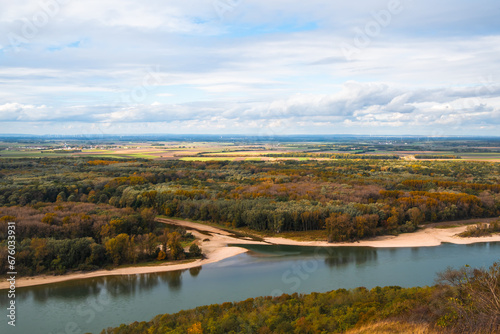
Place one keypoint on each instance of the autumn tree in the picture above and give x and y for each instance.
(119, 248)
(416, 216)
(40, 251)
(476, 299)
(340, 227)
(148, 216)
(195, 329)
(161, 256)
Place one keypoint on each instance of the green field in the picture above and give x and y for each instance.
(32, 154)
(111, 156)
(480, 156)
(206, 159)
(142, 155)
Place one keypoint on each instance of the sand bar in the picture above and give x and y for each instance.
(214, 241)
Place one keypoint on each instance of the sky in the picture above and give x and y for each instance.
(366, 67)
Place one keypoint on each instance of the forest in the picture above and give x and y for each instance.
(464, 301)
(103, 210)
(55, 238)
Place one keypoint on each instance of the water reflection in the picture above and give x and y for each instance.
(479, 245)
(131, 284)
(195, 271)
(332, 256)
(115, 286)
(341, 256)
(62, 291)
(127, 284)
(173, 279)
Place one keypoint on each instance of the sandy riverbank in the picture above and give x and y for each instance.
(215, 249)
(422, 238)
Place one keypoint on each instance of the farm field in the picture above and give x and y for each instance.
(235, 151)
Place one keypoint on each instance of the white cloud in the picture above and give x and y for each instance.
(356, 104)
(265, 64)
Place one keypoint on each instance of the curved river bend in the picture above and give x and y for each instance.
(90, 305)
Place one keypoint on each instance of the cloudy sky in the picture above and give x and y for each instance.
(390, 67)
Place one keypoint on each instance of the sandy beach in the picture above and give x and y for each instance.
(214, 243)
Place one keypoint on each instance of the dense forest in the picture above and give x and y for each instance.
(59, 237)
(348, 199)
(463, 301)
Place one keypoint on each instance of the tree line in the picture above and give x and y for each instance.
(59, 238)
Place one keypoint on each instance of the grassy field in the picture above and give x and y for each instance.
(32, 154)
(494, 157)
(110, 156)
(142, 155)
(207, 159)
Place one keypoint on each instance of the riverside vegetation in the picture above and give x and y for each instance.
(55, 238)
(82, 213)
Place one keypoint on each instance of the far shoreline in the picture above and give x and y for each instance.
(217, 249)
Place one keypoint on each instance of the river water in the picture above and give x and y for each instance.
(90, 305)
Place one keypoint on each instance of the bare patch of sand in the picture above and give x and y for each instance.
(426, 237)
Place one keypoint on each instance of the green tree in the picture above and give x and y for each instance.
(175, 247)
(194, 250)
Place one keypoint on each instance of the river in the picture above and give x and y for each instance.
(90, 305)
